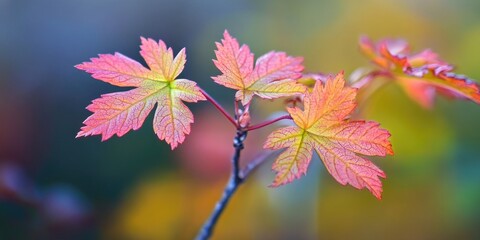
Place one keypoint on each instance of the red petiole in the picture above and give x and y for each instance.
(219, 107)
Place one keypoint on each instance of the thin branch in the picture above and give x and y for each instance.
(232, 185)
(208, 226)
(219, 107)
(238, 145)
(369, 77)
(266, 123)
(254, 164)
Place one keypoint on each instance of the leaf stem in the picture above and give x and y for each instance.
(219, 107)
(367, 87)
(369, 77)
(235, 181)
(266, 123)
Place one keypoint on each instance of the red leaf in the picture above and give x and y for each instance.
(323, 126)
(421, 75)
(273, 76)
(117, 113)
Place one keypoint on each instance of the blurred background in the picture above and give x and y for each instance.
(53, 186)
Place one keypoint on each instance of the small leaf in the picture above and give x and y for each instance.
(421, 75)
(118, 113)
(273, 76)
(323, 126)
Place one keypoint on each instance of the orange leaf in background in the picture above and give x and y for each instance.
(119, 112)
(273, 76)
(421, 75)
(323, 126)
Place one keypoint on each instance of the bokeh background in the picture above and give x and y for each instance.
(53, 186)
